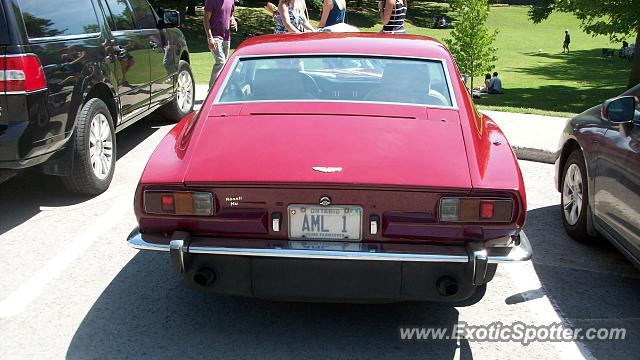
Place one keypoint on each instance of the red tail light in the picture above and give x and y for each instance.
(21, 73)
(473, 210)
(178, 203)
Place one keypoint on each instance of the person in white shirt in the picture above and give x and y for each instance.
(496, 85)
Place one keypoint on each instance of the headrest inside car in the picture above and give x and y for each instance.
(277, 84)
(404, 75)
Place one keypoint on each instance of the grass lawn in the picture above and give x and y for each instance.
(536, 76)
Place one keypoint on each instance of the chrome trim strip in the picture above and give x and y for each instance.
(445, 69)
(518, 253)
(521, 252)
(17, 55)
(136, 241)
(57, 38)
(330, 255)
(339, 102)
(25, 92)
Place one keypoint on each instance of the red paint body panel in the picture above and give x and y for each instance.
(379, 146)
(283, 148)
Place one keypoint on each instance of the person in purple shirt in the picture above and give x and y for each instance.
(218, 23)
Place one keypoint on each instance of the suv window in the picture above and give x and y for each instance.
(58, 18)
(143, 14)
(121, 18)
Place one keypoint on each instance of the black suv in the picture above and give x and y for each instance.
(73, 72)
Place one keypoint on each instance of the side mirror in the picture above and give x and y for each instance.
(619, 110)
(170, 19)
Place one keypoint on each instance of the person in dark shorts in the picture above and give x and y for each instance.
(567, 41)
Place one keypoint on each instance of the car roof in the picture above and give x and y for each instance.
(344, 43)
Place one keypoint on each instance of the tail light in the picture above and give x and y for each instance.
(473, 210)
(187, 203)
(19, 73)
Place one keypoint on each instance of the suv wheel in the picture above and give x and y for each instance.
(94, 150)
(182, 103)
(575, 197)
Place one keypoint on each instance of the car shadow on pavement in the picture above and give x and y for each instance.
(23, 196)
(147, 312)
(590, 285)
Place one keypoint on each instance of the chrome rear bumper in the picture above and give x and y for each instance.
(181, 243)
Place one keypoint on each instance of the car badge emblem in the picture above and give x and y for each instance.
(325, 201)
(325, 169)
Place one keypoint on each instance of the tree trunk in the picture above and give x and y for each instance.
(634, 77)
(473, 71)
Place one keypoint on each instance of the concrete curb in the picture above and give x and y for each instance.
(537, 155)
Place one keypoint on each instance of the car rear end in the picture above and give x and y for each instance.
(332, 243)
(325, 233)
(24, 118)
(4, 42)
(341, 199)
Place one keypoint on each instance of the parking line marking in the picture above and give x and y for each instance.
(524, 278)
(24, 295)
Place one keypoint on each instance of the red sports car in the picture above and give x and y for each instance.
(336, 167)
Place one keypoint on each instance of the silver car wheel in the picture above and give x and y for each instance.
(572, 193)
(185, 91)
(100, 146)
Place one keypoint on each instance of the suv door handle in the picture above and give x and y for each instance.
(153, 44)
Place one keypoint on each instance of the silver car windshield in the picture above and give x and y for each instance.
(338, 78)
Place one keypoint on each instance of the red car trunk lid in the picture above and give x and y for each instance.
(392, 147)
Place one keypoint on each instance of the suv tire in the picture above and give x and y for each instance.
(184, 99)
(94, 149)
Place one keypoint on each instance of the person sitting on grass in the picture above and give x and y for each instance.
(487, 84)
(443, 24)
(495, 87)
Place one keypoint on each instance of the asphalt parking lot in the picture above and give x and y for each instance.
(72, 288)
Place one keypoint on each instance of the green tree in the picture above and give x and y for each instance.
(471, 42)
(614, 18)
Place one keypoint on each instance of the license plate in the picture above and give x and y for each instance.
(308, 222)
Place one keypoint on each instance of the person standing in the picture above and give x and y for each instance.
(218, 22)
(392, 14)
(567, 41)
(333, 12)
(290, 17)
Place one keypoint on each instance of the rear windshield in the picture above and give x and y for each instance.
(338, 78)
(44, 19)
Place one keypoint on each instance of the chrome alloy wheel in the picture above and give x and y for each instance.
(572, 192)
(101, 146)
(185, 92)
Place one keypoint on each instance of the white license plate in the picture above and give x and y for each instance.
(308, 222)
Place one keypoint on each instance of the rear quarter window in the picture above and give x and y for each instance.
(121, 17)
(143, 15)
(45, 19)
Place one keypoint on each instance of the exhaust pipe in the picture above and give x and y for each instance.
(447, 286)
(204, 277)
